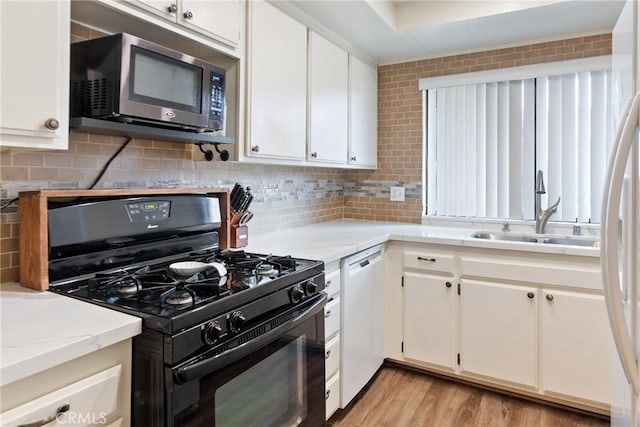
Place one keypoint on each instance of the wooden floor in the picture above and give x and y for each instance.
(398, 397)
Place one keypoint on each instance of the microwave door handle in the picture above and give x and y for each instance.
(191, 371)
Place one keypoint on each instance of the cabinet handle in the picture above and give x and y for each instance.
(172, 9)
(188, 15)
(61, 410)
(426, 259)
(530, 295)
(549, 297)
(327, 284)
(328, 313)
(314, 155)
(448, 284)
(52, 124)
(255, 148)
(327, 394)
(328, 354)
(353, 158)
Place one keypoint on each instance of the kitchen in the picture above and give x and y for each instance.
(286, 195)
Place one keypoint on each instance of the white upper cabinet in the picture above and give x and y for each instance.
(328, 100)
(363, 114)
(34, 74)
(277, 84)
(219, 19)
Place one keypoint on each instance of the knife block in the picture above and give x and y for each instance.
(239, 236)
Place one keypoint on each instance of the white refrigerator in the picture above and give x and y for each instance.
(620, 220)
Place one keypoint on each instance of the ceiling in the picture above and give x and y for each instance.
(390, 31)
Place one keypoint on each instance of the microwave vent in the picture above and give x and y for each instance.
(89, 97)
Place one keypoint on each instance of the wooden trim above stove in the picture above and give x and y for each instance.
(33, 227)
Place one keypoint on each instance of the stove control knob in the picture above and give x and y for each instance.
(297, 294)
(310, 288)
(212, 332)
(236, 321)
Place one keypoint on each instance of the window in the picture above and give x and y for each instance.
(488, 133)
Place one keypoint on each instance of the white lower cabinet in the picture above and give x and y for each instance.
(94, 389)
(90, 401)
(499, 332)
(332, 285)
(577, 347)
(332, 395)
(429, 319)
(534, 324)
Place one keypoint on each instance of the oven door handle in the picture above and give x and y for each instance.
(191, 371)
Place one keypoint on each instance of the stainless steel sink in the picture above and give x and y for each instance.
(512, 237)
(592, 242)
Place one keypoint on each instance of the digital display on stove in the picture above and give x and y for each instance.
(148, 211)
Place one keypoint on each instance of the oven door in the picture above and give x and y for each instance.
(272, 376)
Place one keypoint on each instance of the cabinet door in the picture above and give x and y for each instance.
(363, 113)
(328, 100)
(277, 92)
(165, 8)
(577, 346)
(499, 332)
(429, 319)
(34, 43)
(219, 19)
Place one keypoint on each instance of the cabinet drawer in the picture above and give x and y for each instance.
(558, 273)
(332, 356)
(429, 261)
(332, 284)
(332, 395)
(90, 401)
(332, 318)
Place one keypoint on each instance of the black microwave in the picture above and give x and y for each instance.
(125, 78)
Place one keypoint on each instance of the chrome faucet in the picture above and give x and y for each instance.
(542, 215)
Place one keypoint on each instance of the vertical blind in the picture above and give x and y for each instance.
(486, 141)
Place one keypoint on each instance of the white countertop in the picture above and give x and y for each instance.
(41, 330)
(330, 241)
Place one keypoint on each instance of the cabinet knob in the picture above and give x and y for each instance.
(52, 124)
(255, 148)
(530, 295)
(173, 8)
(328, 313)
(353, 158)
(327, 394)
(328, 354)
(314, 155)
(448, 284)
(327, 284)
(188, 15)
(549, 297)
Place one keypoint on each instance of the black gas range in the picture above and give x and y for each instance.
(217, 324)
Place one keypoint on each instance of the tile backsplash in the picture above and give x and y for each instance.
(284, 196)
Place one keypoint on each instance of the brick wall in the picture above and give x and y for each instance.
(400, 156)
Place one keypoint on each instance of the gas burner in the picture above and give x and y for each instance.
(266, 269)
(126, 287)
(179, 297)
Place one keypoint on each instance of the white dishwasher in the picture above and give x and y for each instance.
(362, 321)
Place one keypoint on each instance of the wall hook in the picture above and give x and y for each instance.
(208, 154)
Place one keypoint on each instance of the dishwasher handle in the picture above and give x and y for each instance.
(359, 262)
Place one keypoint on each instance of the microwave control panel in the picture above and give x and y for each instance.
(217, 105)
